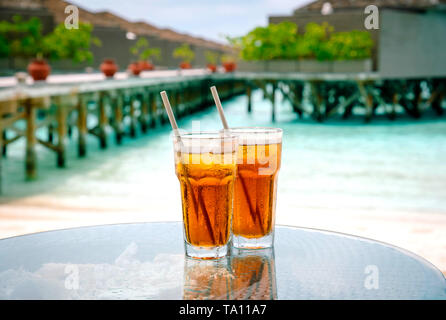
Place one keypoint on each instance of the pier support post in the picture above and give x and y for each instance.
(317, 101)
(249, 95)
(437, 96)
(118, 125)
(30, 162)
(3, 137)
(369, 108)
(144, 100)
(392, 113)
(102, 123)
(273, 102)
(368, 101)
(61, 132)
(50, 133)
(82, 126)
(132, 101)
(152, 109)
(69, 128)
(417, 99)
(436, 104)
(298, 89)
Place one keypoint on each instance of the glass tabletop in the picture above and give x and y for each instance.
(147, 261)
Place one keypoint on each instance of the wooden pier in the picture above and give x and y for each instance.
(133, 105)
(338, 94)
(126, 106)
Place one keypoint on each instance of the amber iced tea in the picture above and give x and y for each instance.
(255, 187)
(206, 201)
(206, 171)
(254, 203)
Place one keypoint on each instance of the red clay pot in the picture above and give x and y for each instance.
(109, 67)
(230, 66)
(146, 66)
(212, 67)
(39, 69)
(135, 68)
(185, 65)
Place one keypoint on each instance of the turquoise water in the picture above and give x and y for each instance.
(338, 164)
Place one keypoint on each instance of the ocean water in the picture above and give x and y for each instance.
(384, 165)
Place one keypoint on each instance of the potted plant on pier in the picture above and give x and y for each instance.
(25, 41)
(228, 62)
(109, 67)
(211, 59)
(135, 68)
(144, 53)
(185, 53)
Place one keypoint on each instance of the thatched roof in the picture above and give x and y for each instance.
(316, 6)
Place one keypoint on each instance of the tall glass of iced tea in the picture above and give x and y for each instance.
(205, 164)
(255, 187)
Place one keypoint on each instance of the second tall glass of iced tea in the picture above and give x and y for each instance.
(258, 164)
(205, 164)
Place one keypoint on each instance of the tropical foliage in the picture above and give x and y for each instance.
(143, 51)
(319, 41)
(211, 57)
(72, 44)
(24, 39)
(20, 38)
(227, 58)
(184, 52)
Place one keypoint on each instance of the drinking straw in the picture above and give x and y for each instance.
(226, 127)
(174, 125)
(219, 107)
(169, 112)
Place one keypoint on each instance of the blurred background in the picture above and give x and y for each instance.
(357, 86)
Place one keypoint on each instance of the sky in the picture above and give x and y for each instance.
(205, 18)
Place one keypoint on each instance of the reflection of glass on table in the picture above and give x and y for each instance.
(207, 279)
(254, 275)
(245, 275)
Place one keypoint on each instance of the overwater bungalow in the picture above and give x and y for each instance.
(409, 41)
